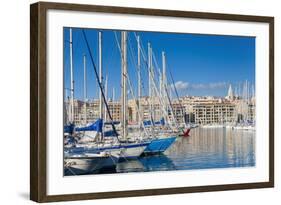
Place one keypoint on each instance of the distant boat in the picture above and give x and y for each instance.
(213, 126)
(186, 133)
(244, 127)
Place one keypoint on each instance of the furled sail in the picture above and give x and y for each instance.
(96, 126)
(68, 128)
(110, 133)
(152, 123)
(161, 122)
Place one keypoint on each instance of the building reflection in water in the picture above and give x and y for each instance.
(214, 148)
(205, 148)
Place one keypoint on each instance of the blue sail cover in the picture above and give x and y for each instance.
(113, 122)
(110, 133)
(70, 140)
(96, 126)
(161, 122)
(147, 123)
(152, 123)
(68, 128)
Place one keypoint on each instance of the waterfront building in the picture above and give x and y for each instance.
(191, 109)
(214, 113)
(92, 111)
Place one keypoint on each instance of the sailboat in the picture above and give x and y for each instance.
(110, 140)
(158, 141)
(89, 163)
(131, 149)
(76, 160)
(245, 123)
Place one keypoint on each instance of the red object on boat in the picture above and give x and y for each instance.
(186, 133)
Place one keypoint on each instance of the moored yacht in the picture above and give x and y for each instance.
(87, 163)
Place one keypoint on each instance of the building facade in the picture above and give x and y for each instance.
(199, 110)
(217, 113)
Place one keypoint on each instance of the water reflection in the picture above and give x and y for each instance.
(145, 164)
(205, 148)
(214, 148)
(157, 163)
(129, 166)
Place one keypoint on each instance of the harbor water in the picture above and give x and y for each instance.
(205, 148)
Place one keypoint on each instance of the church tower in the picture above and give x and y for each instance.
(230, 95)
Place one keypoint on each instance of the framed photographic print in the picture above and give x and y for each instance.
(135, 102)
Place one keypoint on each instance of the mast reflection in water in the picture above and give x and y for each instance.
(205, 148)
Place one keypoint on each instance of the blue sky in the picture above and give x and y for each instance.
(201, 65)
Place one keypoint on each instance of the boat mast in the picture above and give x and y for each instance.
(164, 80)
(85, 89)
(100, 76)
(71, 78)
(113, 94)
(152, 81)
(106, 97)
(247, 98)
(100, 85)
(124, 83)
(149, 79)
(66, 107)
(139, 79)
(160, 82)
(253, 91)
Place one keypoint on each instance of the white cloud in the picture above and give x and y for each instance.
(218, 85)
(214, 85)
(180, 85)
